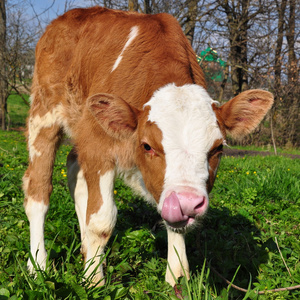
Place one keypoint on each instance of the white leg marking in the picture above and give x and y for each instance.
(132, 35)
(81, 198)
(176, 240)
(101, 225)
(36, 213)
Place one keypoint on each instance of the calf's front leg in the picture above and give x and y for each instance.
(43, 140)
(101, 218)
(177, 262)
(96, 211)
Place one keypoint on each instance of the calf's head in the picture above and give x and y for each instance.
(178, 139)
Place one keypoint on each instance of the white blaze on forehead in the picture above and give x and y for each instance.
(132, 35)
(189, 128)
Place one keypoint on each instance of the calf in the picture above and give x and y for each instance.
(128, 90)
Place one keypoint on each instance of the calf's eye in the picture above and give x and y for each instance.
(147, 147)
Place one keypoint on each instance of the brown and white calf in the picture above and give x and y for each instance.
(127, 89)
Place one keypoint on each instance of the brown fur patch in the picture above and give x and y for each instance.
(152, 167)
(38, 176)
(214, 157)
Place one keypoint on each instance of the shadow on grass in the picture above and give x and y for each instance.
(225, 240)
(228, 241)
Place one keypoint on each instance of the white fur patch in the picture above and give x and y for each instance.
(81, 198)
(175, 260)
(101, 222)
(134, 179)
(107, 214)
(189, 128)
(132, 35)
(31, 99)
(37, 123)
(36, 213)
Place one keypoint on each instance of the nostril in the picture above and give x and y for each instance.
(192, 204)
(199, 205)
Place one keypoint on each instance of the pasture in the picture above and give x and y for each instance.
(250, 236)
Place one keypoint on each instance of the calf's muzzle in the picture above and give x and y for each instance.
(181, 208)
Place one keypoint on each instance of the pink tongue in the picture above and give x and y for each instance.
(171, 210)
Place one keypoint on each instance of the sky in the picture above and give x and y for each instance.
(50, 9)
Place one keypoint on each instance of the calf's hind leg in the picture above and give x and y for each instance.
(44, 136)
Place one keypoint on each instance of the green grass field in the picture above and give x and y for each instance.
(251, 234)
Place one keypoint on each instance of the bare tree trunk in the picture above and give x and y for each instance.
(244, 46)
(278, 51)
(238, 27)
(293, 78)
(133, 5)
(278, 90)
(3, 81)
(223, 84)
(290, 36)
(272, 131)
(190, 25)
(148, 8)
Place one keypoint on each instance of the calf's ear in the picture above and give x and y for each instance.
(243, 113)
(116, 116)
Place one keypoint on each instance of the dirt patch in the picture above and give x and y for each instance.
(21, 128)
(242, 153)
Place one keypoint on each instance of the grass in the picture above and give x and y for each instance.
(17, 110)
(251, 234)
(254, 212)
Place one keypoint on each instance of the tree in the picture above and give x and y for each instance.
(191, 18)
(281, 7)
(3, 67)
(258, 40)
(292, 97)
(18, 36)
(290, 36)
(239, 15)
(133, 5)
(20, 45)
